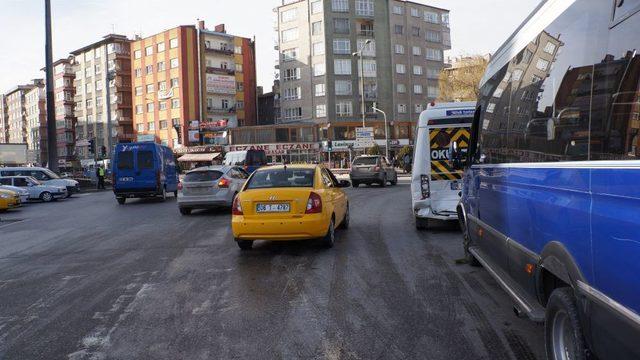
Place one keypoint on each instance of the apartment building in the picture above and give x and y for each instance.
(102, 81)
(36, 122)
(4, 120)
(166, 96)
(330, 49)
(64, 92)
(16, 111)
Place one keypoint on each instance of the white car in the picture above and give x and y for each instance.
(36, 189)
(24, 194)
(44, 175)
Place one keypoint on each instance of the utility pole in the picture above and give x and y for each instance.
(358, 54)
(386, 130)
(109, 75)
(52, 139)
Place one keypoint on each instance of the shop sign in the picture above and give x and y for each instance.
(276, 149)
(221, 84)
(203, 149)
(214, 125)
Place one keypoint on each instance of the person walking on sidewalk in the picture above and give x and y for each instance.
(100, 175)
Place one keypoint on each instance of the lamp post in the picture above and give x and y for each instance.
(52, 142)
(358, 54)
(386, 130)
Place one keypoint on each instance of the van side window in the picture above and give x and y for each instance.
(39, 175)
(145, 160)
(125, 160)
(5, 181)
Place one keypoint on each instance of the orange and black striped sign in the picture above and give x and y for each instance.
(440, 140)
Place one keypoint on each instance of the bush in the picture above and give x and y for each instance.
(374, 150)
(405, 150)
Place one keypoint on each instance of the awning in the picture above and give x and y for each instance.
(198, 157)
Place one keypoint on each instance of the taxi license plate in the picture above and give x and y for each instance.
(278, 208)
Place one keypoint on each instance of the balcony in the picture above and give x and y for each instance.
(220, 71)
(221, 110)
(219, 50)
(366, 33)
(119, 55)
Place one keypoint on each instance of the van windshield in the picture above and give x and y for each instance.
(365, 161)
(125, 160)
(145, 160)
(257, 157)
(281, 178)
(51, 174)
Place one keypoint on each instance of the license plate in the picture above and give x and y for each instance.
(265, 208)
(126, 179)
(456, 186)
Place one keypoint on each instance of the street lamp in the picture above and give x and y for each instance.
(386, 129)
(358, 54)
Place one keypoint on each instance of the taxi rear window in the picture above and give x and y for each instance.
(281, 178)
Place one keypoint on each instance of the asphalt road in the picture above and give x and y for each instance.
(86, 278)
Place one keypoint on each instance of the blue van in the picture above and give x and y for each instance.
(551, 197)
(143, 170)
(250, 160)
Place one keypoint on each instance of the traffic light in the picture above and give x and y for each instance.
(103, 151)
(92, 146)
(329, 145)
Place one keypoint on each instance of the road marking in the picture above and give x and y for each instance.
(12, 222)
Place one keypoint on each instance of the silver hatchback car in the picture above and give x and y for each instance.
(210, 187)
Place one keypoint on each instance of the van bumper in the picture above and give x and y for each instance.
(137, 193)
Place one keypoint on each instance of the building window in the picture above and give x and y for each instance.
(341, 46)
(343, 87)
(431, 17)
(175, 103)
(415, 12)
(289, 15)
(316, 7)
(140, 127)
(434, 54)
(340, 5)
(433, 91)
(291, 74)
(491, 107)
(292, 113)
(174, 82)
(173, 43)
(173, 63)
(418, 108)
(364, 8)
(290, 54)
(399, 49)
(149, 88)
(417, 70)
(148, 50)
(401, 68)
(163, 124)
(137, 54)
(318, 48)
(97, 69)
(342, 66)
(344, 108)
(398, 10)
(162, 86)
(289, 35)
(401, 88)
(321, 110)
(316, 28)
(369, 68)
(367, 49)
(517, 75)
(292, 93)
(139, 109)
(417, 50)
(150, 107)
(341, 26)
(402, 108)
(138, 72)
(550, 48)
(415, 31)
(319, 89)
(433, 73)
(161, 66)
(434, 36)
(542, 65)
(526, 56)
(160, 47)
(398, 29)
(163, 105)
(319, 69)
(151, 125)
(417, 89)
(149, 69)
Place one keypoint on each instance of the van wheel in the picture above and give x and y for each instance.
(422, 223)
(185, 211)
(121, 200)
(244, 244)
(46, 196)
(564, 339)
(355, 184)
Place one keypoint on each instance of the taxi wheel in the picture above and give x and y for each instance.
(244, 244)
(330, 239)
(345, 221)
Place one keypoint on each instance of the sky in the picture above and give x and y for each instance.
(477, 27)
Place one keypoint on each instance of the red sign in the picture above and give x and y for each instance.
(213, 125)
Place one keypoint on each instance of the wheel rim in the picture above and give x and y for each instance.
(562, 337)
(46, 197)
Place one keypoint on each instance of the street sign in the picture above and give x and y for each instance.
(364, 138)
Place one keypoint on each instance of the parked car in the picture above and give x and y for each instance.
(250, 160)
(24, 194)
(43, 175)
(554, 221)
(37, 190)
(209, 187)
(143, 170)
(9, 200)
(294, 202)
(372, 169)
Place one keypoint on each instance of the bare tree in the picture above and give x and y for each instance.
(461, 81)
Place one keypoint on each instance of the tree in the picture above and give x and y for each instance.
(404, 151)
(461, 81)
(374, 150)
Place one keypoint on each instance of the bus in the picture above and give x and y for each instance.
(435, 186)
(551, 203)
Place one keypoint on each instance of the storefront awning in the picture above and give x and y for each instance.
(199, 157)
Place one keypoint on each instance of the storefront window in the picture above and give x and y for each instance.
(306, 134)
(403, 131)
(282, 135)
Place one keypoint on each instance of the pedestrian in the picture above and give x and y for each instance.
(100, 175)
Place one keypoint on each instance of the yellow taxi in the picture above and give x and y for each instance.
(290, 202)
(9, 200)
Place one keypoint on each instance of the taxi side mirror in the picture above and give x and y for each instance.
(344, 184)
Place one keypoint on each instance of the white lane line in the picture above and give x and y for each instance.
(13, 223)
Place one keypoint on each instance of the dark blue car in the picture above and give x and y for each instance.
(143, 170)
(551, 199)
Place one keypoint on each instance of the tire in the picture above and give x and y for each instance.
(355, 184)
(163, 195)
(330, 239)
(422, 223)
(46, 196)
(185, 211)
(384, 181)
(121, 200)
(175, 194)
(466, 241)
(345, 222)
(395, 181)
(563, 333)
(244, 245)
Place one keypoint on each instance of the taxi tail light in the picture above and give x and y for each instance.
(314, 204)
(224, 183)
(237, 208)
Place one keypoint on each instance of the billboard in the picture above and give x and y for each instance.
(13, 154)
(221, 84)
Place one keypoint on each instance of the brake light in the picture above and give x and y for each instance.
(223, 183)
(314, 204)
(425, 187)
(376, 168)
(179, 186)
(237, 208)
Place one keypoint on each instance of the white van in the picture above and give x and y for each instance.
(435, 186)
